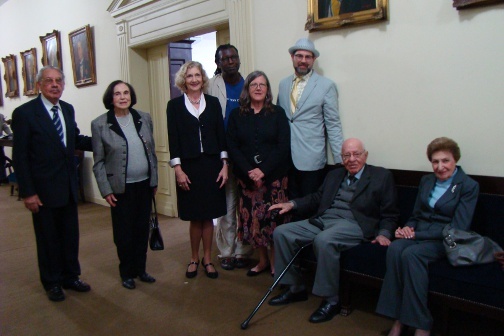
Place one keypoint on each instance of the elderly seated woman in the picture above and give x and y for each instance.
(446, 197)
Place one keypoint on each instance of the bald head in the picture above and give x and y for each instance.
(354, 155)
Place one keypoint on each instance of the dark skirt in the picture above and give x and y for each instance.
(204, 200)
(255, 225)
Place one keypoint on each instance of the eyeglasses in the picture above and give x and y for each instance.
(300, 57)
(260, 85)
(229, 58)
(356, 155)
(49, 81)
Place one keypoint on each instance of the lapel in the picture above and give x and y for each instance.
(69, 124)
(113, 124)
(452, 191)
(286, 92)
(363, 182)
(46, 124)
(310, 86)
(221, 86)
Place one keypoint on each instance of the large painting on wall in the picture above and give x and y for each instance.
(329, 14)
(461, 4)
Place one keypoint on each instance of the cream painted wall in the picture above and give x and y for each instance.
(429, 71)
(21, 24)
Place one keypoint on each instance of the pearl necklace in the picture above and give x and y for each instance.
(127, 124)
(194, 102)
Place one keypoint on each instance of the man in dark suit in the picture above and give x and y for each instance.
(46, 136)
(355, 203)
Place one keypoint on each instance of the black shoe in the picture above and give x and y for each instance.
(241, 262)
(228, 263)
(193, 273)
(128, 283)
(77, 285)
(325, 312)
(55, 294)
(252, 273)
(211, 275)
(288, 297)
(146, 277)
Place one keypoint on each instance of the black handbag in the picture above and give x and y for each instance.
(466, 248)
(155, 240)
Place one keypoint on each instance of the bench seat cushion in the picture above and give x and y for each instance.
(480, 283)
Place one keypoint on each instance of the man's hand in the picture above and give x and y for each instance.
(284, 207)
(382, 240)
(32, 203)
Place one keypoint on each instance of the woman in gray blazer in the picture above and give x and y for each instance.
(446, 197)
(125, 168)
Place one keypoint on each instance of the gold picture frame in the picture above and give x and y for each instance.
(29, 71)
(331, 14)
(10, 76)
(51, 49)
(462, 4)
(83, 59)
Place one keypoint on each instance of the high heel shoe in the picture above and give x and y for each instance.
(211, 275)
(193, 273)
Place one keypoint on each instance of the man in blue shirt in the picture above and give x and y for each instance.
(227, 85)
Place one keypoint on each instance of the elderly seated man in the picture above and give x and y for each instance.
(356, 203)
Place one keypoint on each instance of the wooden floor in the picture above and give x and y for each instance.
(173, 305)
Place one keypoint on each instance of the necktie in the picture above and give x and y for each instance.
(57, 123)
(294, 94)
(352, 179)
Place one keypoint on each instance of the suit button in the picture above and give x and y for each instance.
(292, 121)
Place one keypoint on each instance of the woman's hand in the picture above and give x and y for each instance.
(256, 174)
(182, 179)
(111, 199)
(405, 233)
(223, 174)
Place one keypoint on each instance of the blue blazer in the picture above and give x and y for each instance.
(43, 165)
(456, 206)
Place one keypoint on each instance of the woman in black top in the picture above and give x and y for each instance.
(198, 156)
(259, 144)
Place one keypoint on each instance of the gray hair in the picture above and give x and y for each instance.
(40, 74)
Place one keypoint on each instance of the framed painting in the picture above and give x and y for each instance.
(461, 4)
(11, 77)
(51, 49)
(330, 14)
(29, 71)
(83, 58)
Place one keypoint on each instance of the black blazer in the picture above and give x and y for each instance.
(184, 128)
(42, 164)
(374, 203)
(455, 207)
(264, 134)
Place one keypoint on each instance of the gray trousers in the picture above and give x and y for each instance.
(329, 239)
(225, 231)
(406, 285)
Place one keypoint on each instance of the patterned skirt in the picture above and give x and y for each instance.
(255, 225)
